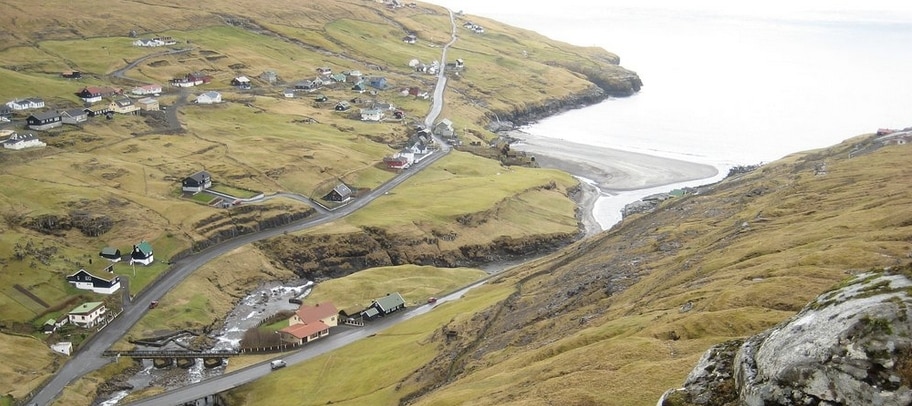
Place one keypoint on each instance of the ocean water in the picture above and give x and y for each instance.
(726, 83)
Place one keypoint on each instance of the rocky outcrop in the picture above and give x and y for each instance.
(611, 81)
(851, 346)
(321, 257)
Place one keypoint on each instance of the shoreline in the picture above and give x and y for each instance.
(606, 171)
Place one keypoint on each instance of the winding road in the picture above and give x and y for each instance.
(89, 356)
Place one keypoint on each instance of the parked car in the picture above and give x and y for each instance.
(277, 364)
(432, 300)
(154, 304)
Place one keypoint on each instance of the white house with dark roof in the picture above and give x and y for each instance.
(88, 315)
(142, 254)
(197, 182)
(340, 193)
(21, 141)
(86, 281)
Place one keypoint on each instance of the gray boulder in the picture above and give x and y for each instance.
(851, 346)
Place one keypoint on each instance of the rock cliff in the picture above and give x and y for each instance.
(850, 346)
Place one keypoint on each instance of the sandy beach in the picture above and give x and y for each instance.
(610, 170)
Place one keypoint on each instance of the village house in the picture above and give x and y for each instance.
(377, 82)
(324, 71)
(342, 106)
(25, 104)
(123, 105)
(52, 324)
(6, 114)
(305, 85)
(21, 141)
(289, 93)
(192, 79)
(371, 114)
(383, 306)
(310, 323)
(94, 94)
(269, 77)
(142, 253)
(99, 110)
(241, 82)
(111, 254)
(44, 120)
(147, 90)
(71, 74)
(398, 161)
(154, 42)
(74, 116)
(444, 128)
(353, 76)
(197, 182)
(340, 193)
(148, 104)
(410, 39)
(211, 97)
(86, 281)
(359, 87)
(87, 315)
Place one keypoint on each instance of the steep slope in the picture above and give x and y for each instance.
(619, 318)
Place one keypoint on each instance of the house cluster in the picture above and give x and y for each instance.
(191, 79)
(117, 103)
(416, 148)
(16, 141)
(154, 42)
(473, 27)
(310, 323)
(431, 68)
(104, 281)
(415, 91)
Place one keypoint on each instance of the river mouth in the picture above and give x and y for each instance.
(268, 299)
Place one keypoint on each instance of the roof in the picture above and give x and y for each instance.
(110, 251)
(200, 176)
(306, 329)
(124, 102)
(371, 312)
(390, 301)
(73, 112)
(17, 138)
(310, 314)
(147, 100)
(342, 189)
(242, 79)
(211, 94)
(81, 271)
(86, 308)
(144, 247)
(44, 115)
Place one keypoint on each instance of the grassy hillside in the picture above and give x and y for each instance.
(619, 318)
(116, 182)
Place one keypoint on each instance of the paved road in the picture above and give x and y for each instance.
(88, 358)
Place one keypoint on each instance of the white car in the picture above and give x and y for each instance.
(277, 364)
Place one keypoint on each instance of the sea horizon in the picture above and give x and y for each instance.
(725, 84)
